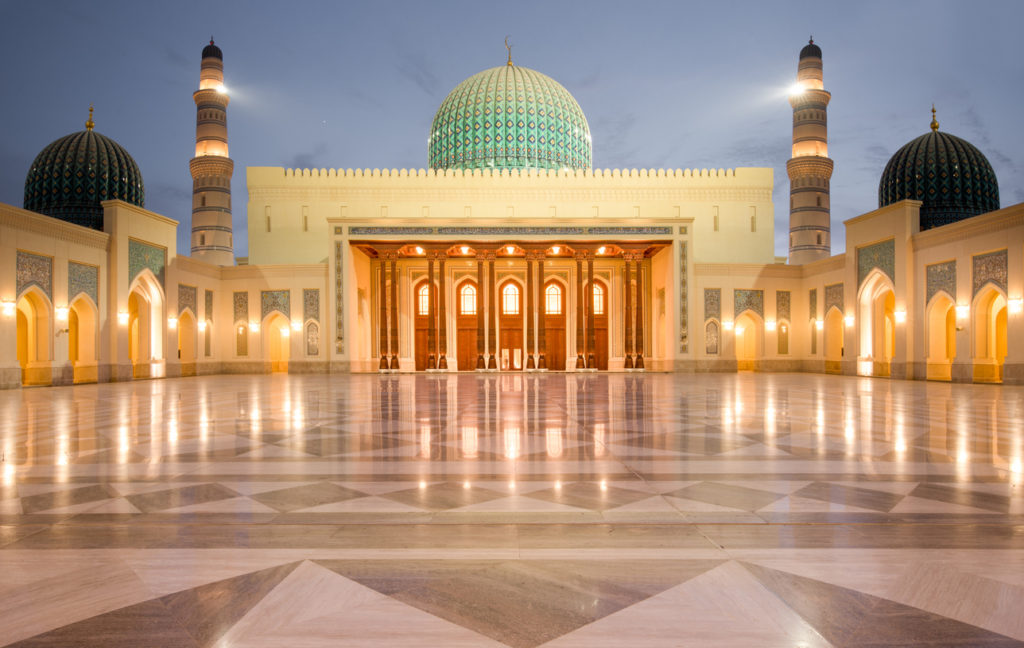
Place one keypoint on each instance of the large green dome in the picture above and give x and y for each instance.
(74, 174)
(509, 117)
(949, 175)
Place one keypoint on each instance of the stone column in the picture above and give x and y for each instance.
(542, 362)
(442, 361)
(394, 312)
(480, 348)
(492, 362)
(639, 361)
(382, 297)
(530, 323)
(627, 291)
(431, 314)
(591, 333)
(580, 361)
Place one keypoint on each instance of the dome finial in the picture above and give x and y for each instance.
(90, 124)
(509, 48)
(935, 124)
(211, 39)
(811, 41)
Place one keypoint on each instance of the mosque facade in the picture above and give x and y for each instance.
(510, 253)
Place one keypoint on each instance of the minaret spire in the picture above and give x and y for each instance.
(810, 168)
(211, 168)
(934, 124)
(509, 48)
(90, 124)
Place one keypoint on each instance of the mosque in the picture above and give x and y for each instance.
(510, 253)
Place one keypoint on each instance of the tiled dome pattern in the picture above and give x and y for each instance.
(73, 175)
(509, 117)
(949, 175)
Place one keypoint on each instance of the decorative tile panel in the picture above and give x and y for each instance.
(310, 304)
(83, 278)
(275, 300)
(396, 230)
(812, 297)
(752, 300)
(241, 306)
(312, 339)
(987, 268)
(711, 338)
(880, 255)
(34, 270)
(143, 255)
(208, 313)
(339, 301)
(834, 297)
(684, 324)
(782, 305)
(187, 299)
(940, 276)
(712, 303)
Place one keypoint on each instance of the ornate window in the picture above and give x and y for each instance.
(553, 299)
(467, 300)
(510, 299)
(598, 299)
(423, 300)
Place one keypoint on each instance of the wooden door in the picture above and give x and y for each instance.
(600, 326)
(511, 352)
(421, 306)
(554, 305)
(466, 302)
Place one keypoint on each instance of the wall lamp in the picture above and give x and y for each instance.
(172, 322)
(900, 316)
(122, 317)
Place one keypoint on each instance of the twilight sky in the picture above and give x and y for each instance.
(663, 84)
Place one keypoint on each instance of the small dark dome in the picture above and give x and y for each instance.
(212, 50)
(810, 49)
(949, 175)
(73, 175)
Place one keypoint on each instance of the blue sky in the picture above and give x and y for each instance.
(663, 84)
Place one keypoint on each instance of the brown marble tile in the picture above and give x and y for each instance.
(301, 497)
(66, 497)
(144, 624)
(738, 497)
(590, 495)
(850, 496)
(443, 496)
(963, 496)
(176, 497)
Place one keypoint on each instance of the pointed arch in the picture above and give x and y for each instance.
(276, 341)
(34, 314)
(146, 324)
(940, 336)
(834, 345)
(748, 337)
(988, 331)
(83, 329)
(876, 304)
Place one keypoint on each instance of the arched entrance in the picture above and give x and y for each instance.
(834, 341)
(877, 304)
(989, 335)
(145, 330)
(187, 343)
(511, 356)
(82, 316)
(34, 334)
(747, 333)
(600, 323)
(554, 325)
(467, 302)
(277, 341)
(421, 334)
(941, 335)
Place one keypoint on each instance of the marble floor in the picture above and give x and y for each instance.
(512, 510)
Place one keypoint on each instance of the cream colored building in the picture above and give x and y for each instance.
(511, 253)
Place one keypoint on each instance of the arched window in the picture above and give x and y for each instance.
(598, 299)
(467, 300)
(423, 300)
(510, 299)
(553, 299)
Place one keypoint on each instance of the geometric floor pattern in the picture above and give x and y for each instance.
(512, 510)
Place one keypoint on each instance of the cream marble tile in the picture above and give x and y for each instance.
(363, 505)
(230, 505)
(795, 504)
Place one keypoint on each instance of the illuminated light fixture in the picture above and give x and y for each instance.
(8, 307)
(739, 330)
(727, 325)
(797, 88)
(819, 324)
(769, 325)
(296, 325)
(510, 249)
(202, 325)
(848, 320)
(464, 249)
(901, 316)
(1015, 306)
(62, 313)
(241, 329)
(221, 89)
(285, 332)
(784, 328)
(172, 322)
(556, 249)
(962, 311)
(122, 317)
(254, 327)
(419, 250)
(602, 250)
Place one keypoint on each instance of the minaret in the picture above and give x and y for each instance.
(211, 167)
(810, 167)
